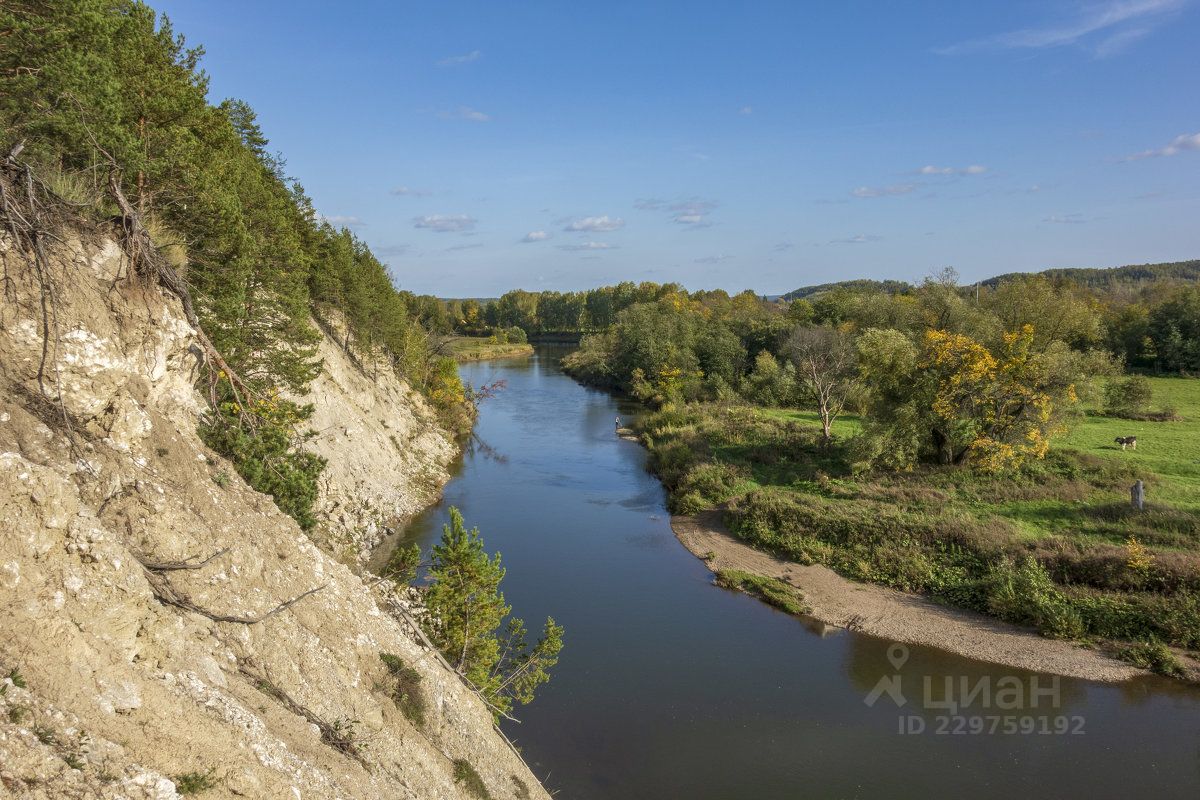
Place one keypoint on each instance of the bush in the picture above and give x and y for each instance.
(1154, 656)
(265, 444)
(1026, 595)
(516, 335)
(1128, 396)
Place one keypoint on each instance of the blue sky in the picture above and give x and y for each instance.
(485, 146)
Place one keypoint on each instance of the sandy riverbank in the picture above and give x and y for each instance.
(895, 615)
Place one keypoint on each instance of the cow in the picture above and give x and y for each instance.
(1127, 441)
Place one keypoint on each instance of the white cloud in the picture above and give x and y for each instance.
(1180, 144)
(783, 247)
(587, 246)
(973, 169)
(746, 110)
(861, 238)
(457, 247)
(1065, 219)
(713, 259)
(445, 223)
(596, 224)
(408, 191)
(341, 221)
(693, 211)
(1091, 19)
(536, 236)
(466, 113)
(465, 58)
(884, 191)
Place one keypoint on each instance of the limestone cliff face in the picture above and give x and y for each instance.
(115, 679)
(387, 455)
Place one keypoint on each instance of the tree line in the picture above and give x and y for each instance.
(939, 372)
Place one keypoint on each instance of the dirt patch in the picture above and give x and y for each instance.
(895, 615)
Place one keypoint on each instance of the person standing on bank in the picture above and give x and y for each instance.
(618, 424)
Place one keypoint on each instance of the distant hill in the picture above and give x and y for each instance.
(1103, 278)
(1094, 277)
(856, 285)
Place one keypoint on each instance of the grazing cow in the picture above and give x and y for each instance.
(1127, 441)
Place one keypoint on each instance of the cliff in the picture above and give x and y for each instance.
(387, 455)
(163, 627)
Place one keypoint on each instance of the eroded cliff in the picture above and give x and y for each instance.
(139, 651)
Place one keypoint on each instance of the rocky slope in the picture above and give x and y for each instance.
(386, 454)
(122, 675)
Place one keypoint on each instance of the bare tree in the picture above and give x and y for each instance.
(824, 361)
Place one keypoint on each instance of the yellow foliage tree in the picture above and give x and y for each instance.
(993, 410)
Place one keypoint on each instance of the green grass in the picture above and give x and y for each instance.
(195, 782)
(1167, 452)
(473, 348)
(772, 591)
(405, 689)
(1061, 529)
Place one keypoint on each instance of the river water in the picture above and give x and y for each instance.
(669, 687)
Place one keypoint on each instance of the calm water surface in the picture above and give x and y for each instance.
(671, 688)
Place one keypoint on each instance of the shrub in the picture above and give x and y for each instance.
(517, 335)
(1127, 396)
(1154, 656)
(406, 688)
(465, 774)
(266, 448)
(1026, 595)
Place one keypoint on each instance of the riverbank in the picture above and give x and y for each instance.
(895, 615)
(464, 349)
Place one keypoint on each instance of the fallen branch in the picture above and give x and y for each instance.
(168, 595)
(188, 563)
(338, 736)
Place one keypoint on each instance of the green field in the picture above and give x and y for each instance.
(1168, 452)
(1055, 545)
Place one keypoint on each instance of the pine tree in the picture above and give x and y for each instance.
(466, 609)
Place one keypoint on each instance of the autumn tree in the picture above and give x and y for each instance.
(955, 401)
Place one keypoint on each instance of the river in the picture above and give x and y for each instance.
(669, 687)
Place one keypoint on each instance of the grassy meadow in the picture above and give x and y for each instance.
(1055, 545)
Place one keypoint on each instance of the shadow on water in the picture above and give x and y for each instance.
(671, 688)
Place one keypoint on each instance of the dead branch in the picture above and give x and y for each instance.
(167, 594)
(145, 260)
(188, 563)
(339, 737)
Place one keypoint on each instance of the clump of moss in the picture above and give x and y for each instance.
(406, 688)
(465, 774)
